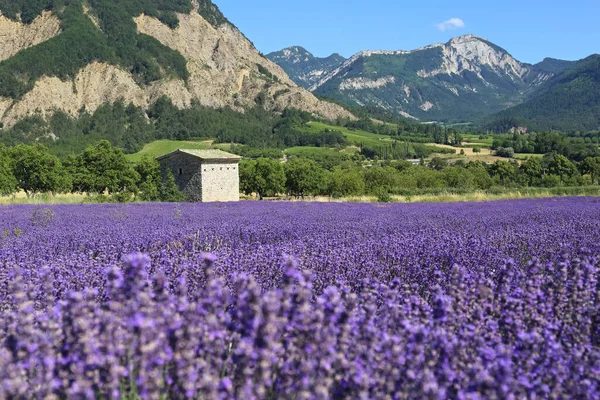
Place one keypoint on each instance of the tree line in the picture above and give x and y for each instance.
(103, 169)
(301, 177)
(576, 147)
(100, 169)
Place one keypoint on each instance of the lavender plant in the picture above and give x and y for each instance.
(305, 301)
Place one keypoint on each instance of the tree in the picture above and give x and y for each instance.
(150, 181)
(458, 178)
(438, 164)
(503, 170)
(262, 176)
(103, 167)
(168, 191)
(38, 171)
(481, 177)
(380, 179)
(561, 166)
(532, 168)
(8, 182)
(507, 152)
(346, 182)
(304, 177)
(476, 150)
(591, 165)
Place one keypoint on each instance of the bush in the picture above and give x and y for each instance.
(383, 196)
(507, 152)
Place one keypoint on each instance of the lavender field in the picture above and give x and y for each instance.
(493, 300)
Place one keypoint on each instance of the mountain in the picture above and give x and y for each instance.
(461, 80)
(74, 56)
(568, 101)
(303, 67)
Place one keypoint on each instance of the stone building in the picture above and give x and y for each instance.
(204, 175)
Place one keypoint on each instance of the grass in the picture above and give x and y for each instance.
(474, 140)
(162, 147)
(307, 150)
(524, 156)
(475, 196)
(355, 136)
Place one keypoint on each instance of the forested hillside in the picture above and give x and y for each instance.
(569, 101)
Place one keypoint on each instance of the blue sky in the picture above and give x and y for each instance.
(529, 29)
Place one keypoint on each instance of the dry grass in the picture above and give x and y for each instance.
(21, 198)
(476, 196)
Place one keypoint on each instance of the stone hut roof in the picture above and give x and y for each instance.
(205, 155)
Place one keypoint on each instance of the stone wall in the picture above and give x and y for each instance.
(204, 181)
(218, 179)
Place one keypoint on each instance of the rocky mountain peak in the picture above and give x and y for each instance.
(302, 66)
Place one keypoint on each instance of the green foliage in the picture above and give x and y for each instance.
(168, 191)
(380, 179)
(383, 196)
(304, 177)
(532, 168)
(38, 171)
(569, 101)
(150, 181)
(101, 168)
(503, 171)
(8, 182)
(210, 13)
(250, 152)
(264, 71)
(346, 182)
(561, 166)
(507, 152)
(265, 177)
(591, 165)
(27, 9)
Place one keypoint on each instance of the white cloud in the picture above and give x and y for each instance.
(451, 24)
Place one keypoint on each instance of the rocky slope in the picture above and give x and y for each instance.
(461, 80)
(303, 67)
(224, 69)
(15, 36)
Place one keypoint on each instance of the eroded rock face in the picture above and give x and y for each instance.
(16, 36)
(223, 65)
(224, 68)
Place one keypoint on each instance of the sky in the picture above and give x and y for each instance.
(530, 30)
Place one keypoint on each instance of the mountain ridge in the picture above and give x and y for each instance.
(302, 66)
(456, 81)
(569, 100)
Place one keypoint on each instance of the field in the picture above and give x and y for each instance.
(301, 300)
(356, 137)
